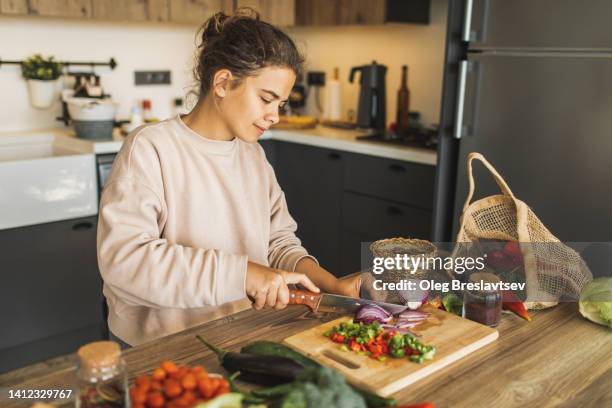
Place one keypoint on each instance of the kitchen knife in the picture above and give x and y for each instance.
(326, 302)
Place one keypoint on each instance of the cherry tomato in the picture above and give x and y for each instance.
(169, 366)
(172, 388)
(189, 382)
(155, 400)
(159, 374)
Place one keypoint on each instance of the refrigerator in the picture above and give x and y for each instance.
(528, 83)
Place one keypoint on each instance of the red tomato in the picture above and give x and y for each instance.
(155, 400)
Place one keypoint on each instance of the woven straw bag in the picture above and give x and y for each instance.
(390, 247)
(553, 271)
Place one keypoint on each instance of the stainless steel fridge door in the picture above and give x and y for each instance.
(546, 124)
(538, 23)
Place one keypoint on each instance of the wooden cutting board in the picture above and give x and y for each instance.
(453, 337)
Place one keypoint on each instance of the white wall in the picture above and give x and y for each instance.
(134, 46)
(171, 47)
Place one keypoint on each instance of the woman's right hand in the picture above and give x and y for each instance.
(268, 287)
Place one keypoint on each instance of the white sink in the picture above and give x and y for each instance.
(41, 180)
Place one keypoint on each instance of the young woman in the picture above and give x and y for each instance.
(193, 224)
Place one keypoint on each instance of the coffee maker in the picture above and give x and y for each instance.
(371, 112)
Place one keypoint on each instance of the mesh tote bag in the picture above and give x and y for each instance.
(553, 271)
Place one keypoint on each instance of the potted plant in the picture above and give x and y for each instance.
(41, 75)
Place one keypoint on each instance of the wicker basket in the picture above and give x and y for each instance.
(391, 247)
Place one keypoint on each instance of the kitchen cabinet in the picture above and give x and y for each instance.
(14, 6)
(61, 8)
(366, 219)
(197, 11)
(269, 147)
(277, 12)
(131, 10)
(51, 293)
(395, 180)
(361, 12)
(284, 13)
(311, 178)
(341, 200)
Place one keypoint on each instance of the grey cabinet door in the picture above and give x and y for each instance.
(395, 180)
(528, 116)
(51, 292)
(311, 178)
(269, 147)
(540, 23)
(366, 219)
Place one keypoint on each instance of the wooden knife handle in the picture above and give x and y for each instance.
(304, 297)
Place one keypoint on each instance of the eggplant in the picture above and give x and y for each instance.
(257, 369)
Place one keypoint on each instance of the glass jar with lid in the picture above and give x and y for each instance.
(483, 305)
(101, 376)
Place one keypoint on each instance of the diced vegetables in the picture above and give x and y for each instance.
(373, 340)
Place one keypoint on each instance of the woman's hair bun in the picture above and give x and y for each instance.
(219, 21)
(243, 44)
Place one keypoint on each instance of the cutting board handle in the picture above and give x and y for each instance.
(304, 297)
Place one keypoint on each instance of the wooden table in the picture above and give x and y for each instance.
(559, 359)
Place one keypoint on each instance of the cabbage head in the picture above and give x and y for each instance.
(596, 301)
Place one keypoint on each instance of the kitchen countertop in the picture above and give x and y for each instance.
(320, 136)
(346, 140)
(559, 359)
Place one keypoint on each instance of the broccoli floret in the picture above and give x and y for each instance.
(294, 399)
(322, 387)
(349, 400)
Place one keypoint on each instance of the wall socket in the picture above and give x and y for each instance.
(152, 78)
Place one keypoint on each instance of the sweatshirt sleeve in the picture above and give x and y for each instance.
(284, 249)
(145, 269)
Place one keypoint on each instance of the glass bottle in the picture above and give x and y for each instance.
(403, 103)
(101, 376)
(482, 305)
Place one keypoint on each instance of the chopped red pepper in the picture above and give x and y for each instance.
(512, 303)
(353, 345)
(514, 250)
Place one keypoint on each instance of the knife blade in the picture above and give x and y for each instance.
(326, 302)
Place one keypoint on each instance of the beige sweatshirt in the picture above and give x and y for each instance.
(180, 216)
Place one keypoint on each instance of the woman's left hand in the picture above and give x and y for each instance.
(348, 287)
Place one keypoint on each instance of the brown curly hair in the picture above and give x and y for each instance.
(243, 44)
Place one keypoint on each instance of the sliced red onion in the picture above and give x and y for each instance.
(372, 313)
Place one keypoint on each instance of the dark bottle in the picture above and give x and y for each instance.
(403, 103)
